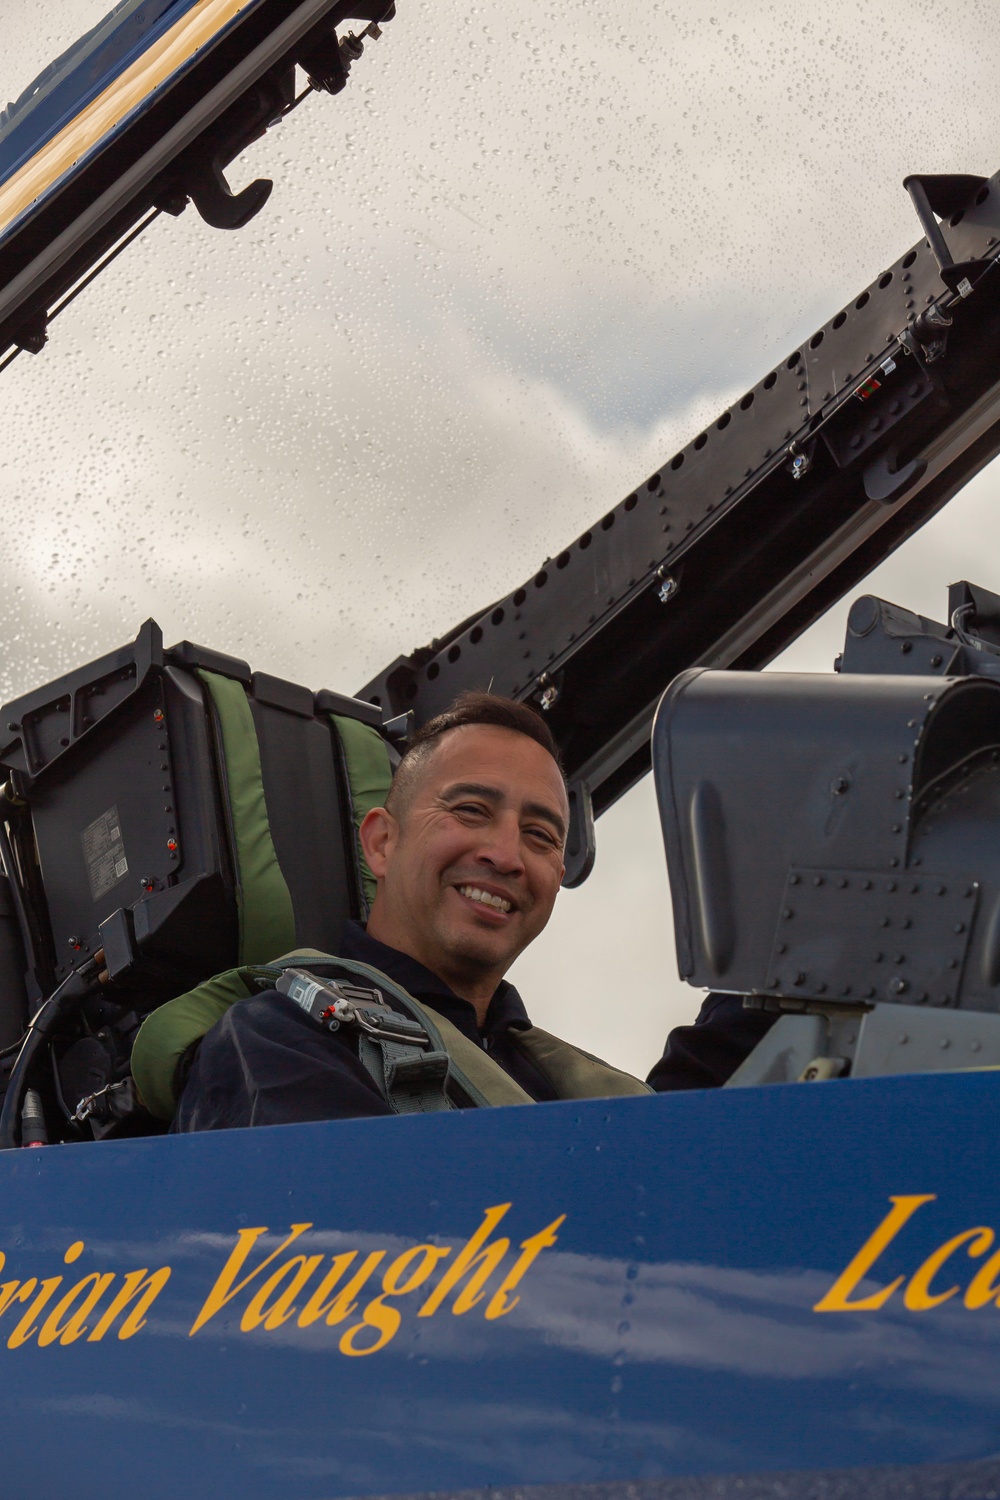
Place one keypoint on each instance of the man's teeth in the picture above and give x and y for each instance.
(475, 894)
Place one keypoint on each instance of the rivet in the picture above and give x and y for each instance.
(781, 948)
(787, 912)
(800, 978)
(945, 1044)
(903, 759)
(906, 922)
(817, 880)
(890, 885)
(903, 1039)
(898, 986)
(959, 926)
(793, 880)
(894, 864)
(884, 922)
(842, 882)
(866, 885)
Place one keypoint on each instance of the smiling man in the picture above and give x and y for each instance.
(467, 854)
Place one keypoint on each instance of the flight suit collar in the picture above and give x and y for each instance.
(506, 1009)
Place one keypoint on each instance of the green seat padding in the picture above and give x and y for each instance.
(167, 1033)
(369, 776)
(266, 918)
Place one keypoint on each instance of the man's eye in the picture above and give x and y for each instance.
(542, 836)
(470, 807)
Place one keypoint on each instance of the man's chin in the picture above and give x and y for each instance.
(485, 950)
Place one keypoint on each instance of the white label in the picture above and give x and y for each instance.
(104, 853)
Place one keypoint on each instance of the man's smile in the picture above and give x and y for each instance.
(490, 903)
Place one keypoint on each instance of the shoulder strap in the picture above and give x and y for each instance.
(411, 1080)
(575, 1074)
(482, 1080)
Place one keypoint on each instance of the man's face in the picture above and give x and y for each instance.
(469, 872)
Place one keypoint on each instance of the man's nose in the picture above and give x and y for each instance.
(502, 846)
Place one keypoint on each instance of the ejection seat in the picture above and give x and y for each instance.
(185, 815)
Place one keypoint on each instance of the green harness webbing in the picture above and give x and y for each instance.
(266, 918)
(411, 1079)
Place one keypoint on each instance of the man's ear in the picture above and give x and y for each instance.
(378, 836)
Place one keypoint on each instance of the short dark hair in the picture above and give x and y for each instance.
(469, 708)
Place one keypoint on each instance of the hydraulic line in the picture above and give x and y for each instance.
(50, 1015)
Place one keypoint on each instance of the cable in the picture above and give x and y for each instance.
(103, 264)
(74, 988)
(85, 282)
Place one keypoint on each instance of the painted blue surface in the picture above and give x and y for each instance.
(669, 1331)
(76, 78)
(70, 83)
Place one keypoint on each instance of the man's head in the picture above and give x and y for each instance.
(468, 850)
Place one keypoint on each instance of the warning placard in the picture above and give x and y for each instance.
(104, 853)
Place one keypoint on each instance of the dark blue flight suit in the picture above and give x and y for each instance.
(268, 1063)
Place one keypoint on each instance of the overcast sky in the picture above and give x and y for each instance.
(528, 253)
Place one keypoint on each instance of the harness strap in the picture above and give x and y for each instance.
(396, 1049)
(573, 1073)
(411, 1082)
(471, 1070)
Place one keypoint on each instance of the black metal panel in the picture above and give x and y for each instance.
(40, 727)
(723, 556)
(187, 654)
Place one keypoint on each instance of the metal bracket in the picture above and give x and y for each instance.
(945, 195)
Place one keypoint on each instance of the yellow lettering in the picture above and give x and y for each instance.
(136, 1283)
(498, 1306)
(985, 1285)
(16, 1291)
(341, 1307)
(317, 1307)
(272, 1317)
(471, 1255)
(224, 1291)
(68, 1333)
(918, 1296)
(386, 1320)
(836, 1299)
(24, 1330)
